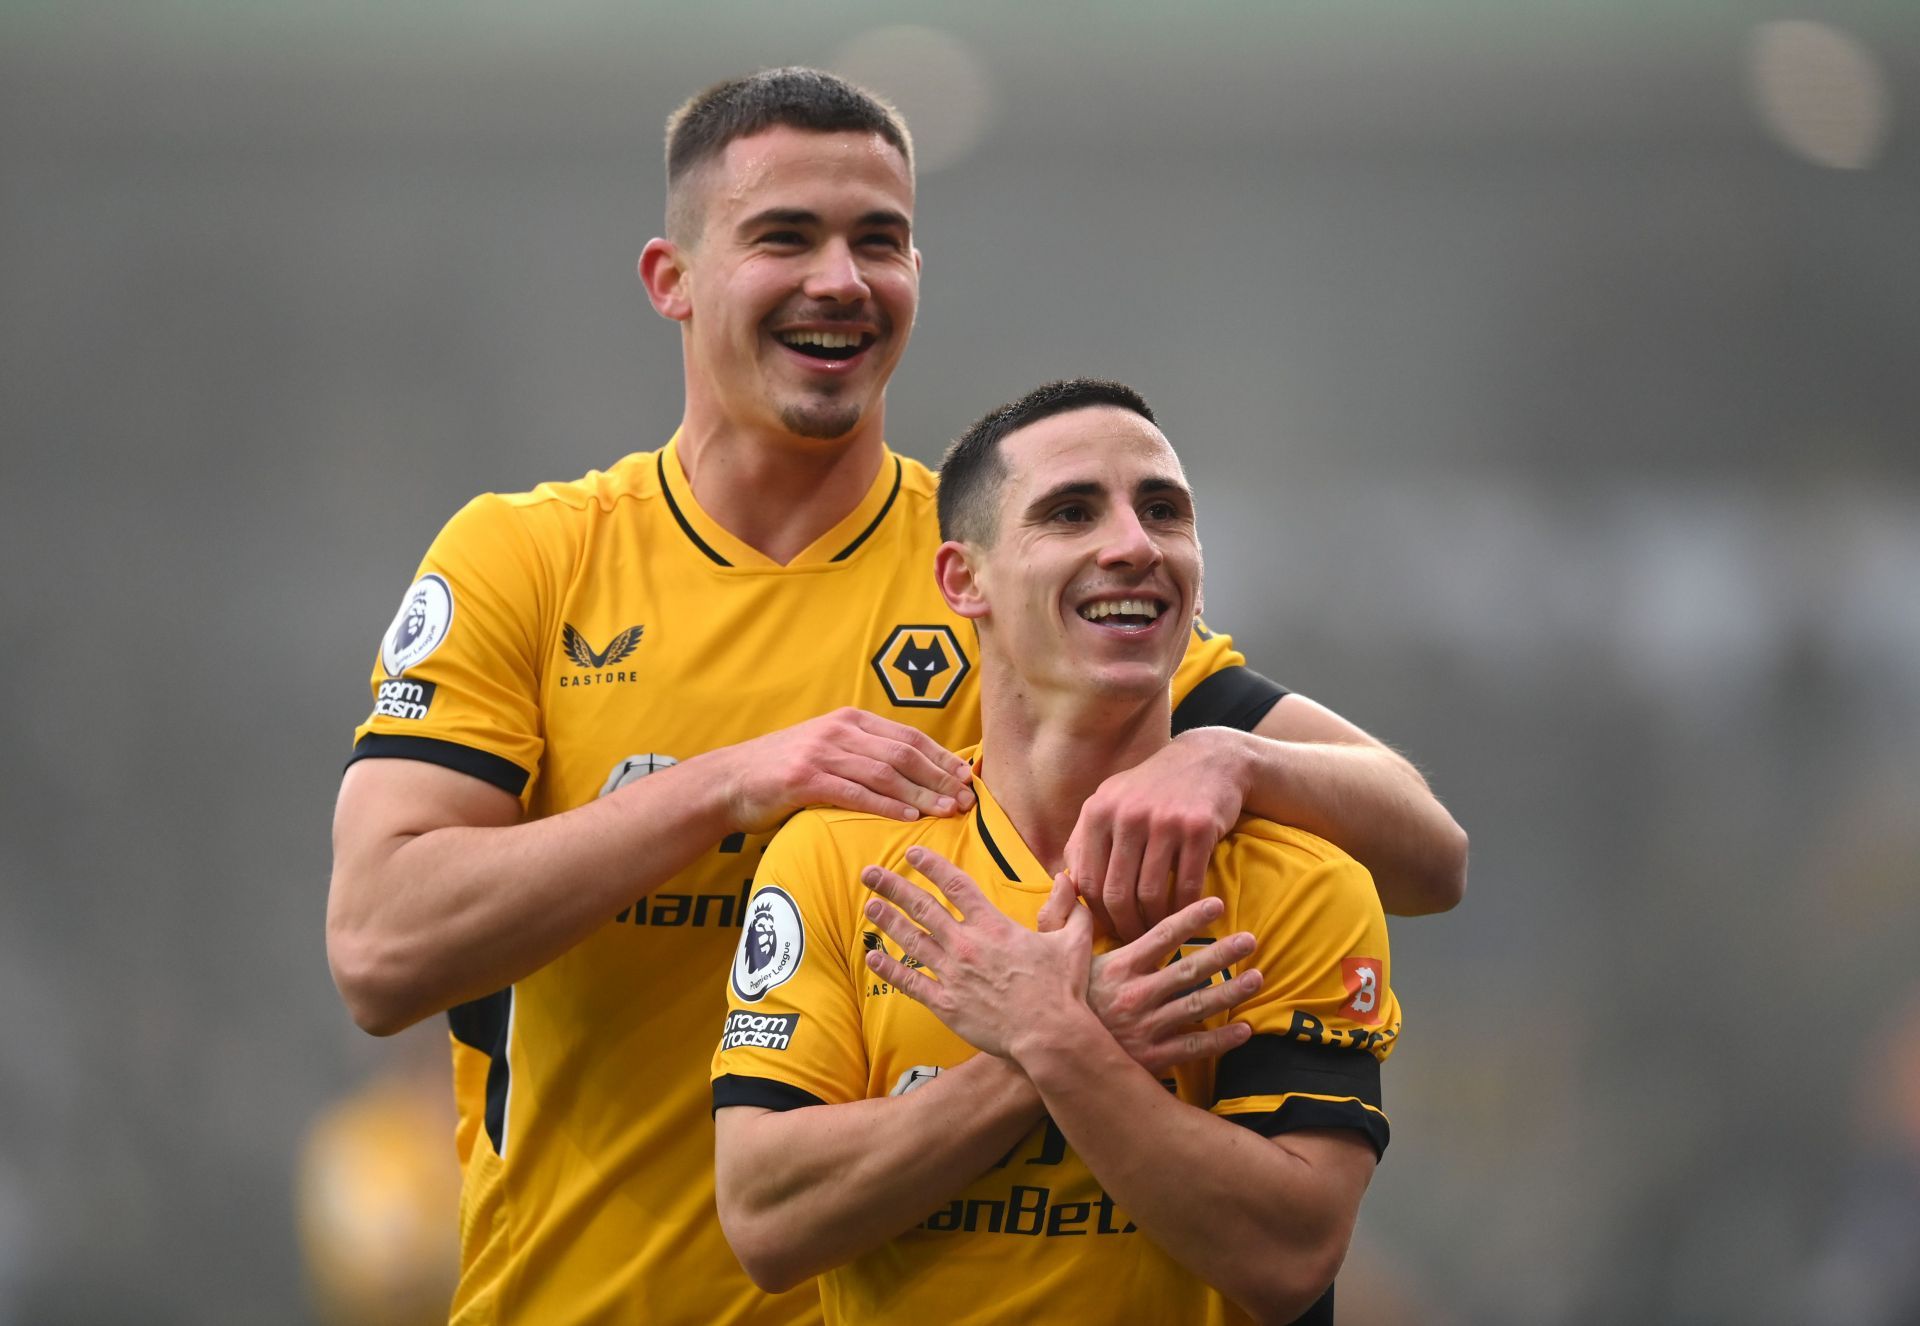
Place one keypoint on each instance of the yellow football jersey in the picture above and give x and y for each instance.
(1035, 1238)
(558, 644)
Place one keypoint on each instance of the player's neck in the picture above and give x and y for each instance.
(779, 494)
(1043, 762)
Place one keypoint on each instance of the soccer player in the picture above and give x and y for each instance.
(600, 697)
(860, 1135)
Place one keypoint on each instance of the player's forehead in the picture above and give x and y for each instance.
(1103, 449)
(835, 174)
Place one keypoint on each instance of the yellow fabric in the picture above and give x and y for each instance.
(1035, 1239)
(601, 1209)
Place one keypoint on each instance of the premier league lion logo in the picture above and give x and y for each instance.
(412, 622)
(762, 942)
(425, 616)
(771, 944)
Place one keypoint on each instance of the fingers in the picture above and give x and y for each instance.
(869, 770)
(1156, 867)
(1208, 1043)
(1058, 906)
(1195, 853)
(1088, 847)
(1121, 886)
(905, 979)
(860, 761)
(845, 794)
(1205, 1000)
(952, 881)
(918, 759)
(1193, 971)
(1166, 937)
(917, 916)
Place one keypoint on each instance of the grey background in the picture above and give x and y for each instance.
(1551, 418)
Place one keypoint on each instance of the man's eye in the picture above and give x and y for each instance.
(891, 243)
(1072, 514)
(1163, 511)
(783, 238)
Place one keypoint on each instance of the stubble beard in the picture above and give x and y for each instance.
(824, 419)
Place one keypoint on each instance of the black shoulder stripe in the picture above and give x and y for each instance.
(660, 460)
(993, 848)
(1275, 1065)
(734, 1089)
(1232, 697)
(482, 1024)
(1300, 1112)
(874, 524)
(482, 764)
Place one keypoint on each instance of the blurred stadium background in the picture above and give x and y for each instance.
(1540, 370)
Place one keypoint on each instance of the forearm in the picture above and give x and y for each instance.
(1366, 799)
(418, 922)
(1250, 1216)
(807, 1189)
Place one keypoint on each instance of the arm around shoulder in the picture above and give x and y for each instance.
(440, 894)
(1321, 773)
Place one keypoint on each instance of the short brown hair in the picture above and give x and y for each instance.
(796, 97)
(973, 470)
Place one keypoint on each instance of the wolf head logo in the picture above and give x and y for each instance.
(920, 666)
(921, 662)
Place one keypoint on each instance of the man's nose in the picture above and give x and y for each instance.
(1128, 542)
(836, 275)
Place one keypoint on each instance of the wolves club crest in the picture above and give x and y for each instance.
(921, 666)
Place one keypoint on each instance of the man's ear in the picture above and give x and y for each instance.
(959, 583)
(663, 271)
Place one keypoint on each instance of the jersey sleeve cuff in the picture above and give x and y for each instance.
(1232, 697)
(1298, 1112)
(765, 1092)
(484, 765)
(1274, 1084)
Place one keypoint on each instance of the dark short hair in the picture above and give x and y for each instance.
(973, 470)
(799, 98)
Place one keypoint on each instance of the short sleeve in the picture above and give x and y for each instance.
(1214, 687)
(456, 680)
(1326, 1015)
(793, 1035)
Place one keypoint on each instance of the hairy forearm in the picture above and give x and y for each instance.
(418, 922)
(804, 1190)
(1369, 801)
(1252, 1217)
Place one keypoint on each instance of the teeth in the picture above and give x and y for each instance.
(1147, 608)
(826, 340)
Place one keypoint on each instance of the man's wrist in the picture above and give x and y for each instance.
(1050, 1040)
(1229, 748)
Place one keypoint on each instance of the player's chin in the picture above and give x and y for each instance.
(1142, 679)
(824, 418)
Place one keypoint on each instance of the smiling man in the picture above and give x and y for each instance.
(601, 696)
(1053, 1176)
